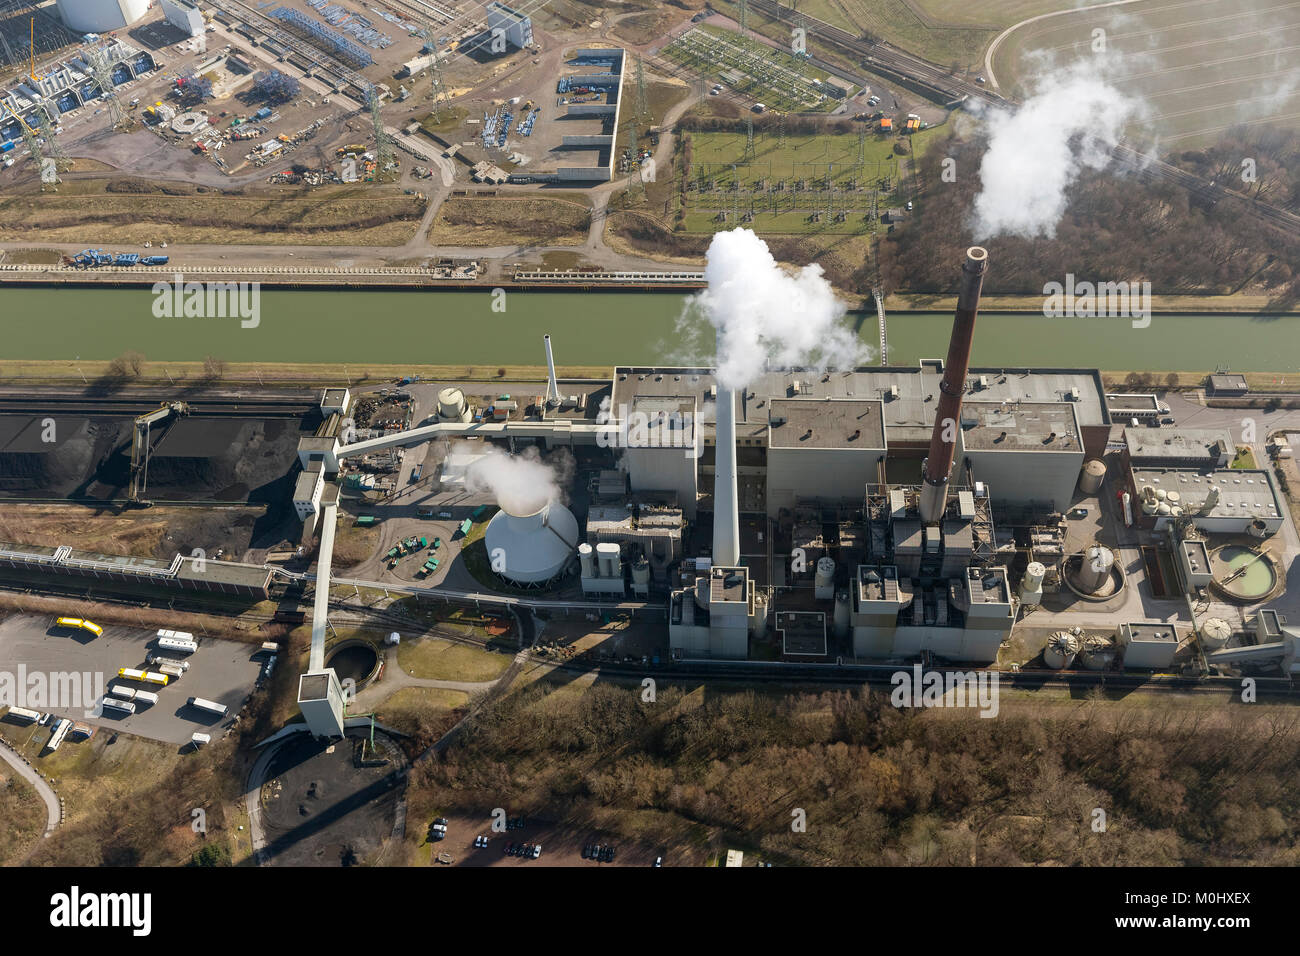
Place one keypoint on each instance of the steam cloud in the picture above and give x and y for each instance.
(1070, 122)
(766, 316)
(522, 484)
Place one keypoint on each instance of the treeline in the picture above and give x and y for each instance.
(1258, 162)
(1115, 227)
(1102, 784)
(795, 124)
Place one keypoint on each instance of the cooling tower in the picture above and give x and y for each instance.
(100, 16)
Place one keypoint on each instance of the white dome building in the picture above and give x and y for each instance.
(534, 547)
(100, 16)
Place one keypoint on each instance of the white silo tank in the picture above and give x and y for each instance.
(1031, 585)
(1215, 633)
(841, 617)
(1060, 650)
(586, 557)
(100, 16)
(1094, 472)
(824, 579)
(535, 547)
(608, 560)
(452, 406)
(1094, 569)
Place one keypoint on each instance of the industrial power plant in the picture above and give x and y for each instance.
(859, 516)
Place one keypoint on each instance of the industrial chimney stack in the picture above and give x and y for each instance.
(726, 515)
(943, 440)
(552, 385)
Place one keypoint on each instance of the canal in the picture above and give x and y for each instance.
(597, 328)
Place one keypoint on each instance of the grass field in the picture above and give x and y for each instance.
(1202, 66)
(22, 816)
(111, 211)
(508, 222)
(443, 660)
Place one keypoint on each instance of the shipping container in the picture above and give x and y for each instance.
(270, 646)
(365, 521)
(178, 644)
(213, 706)
(23, 714)
(198, 740)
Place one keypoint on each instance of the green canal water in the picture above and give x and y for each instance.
(451, 328)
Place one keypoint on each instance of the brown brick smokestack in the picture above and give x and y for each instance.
(947, 416)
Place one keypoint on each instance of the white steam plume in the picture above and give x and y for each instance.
(765, 315)
(1071, 121)
(522, 484)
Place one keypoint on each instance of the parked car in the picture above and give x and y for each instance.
(659, 861)
(537, 850)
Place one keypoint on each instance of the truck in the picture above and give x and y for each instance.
(149, 697)
(153, 677)
(172, 670)
(23, 714)
(154, 260)
(125, 693)
(162, 663)
(208, 705)
(112, 703)
(366, 521)
(198, 740)
(186, 645)
(130, 673)
(270, 647)
(60, 731)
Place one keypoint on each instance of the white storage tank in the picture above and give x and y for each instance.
(1094, 569)
(641, 577)
(1060, 650)
(535, 547)
(1215, 633)
(607, 559)
(1031, 585)
(100, 16)
(452, 406)
(1094, 473)
(587, 559)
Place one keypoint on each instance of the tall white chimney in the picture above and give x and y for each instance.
(552, 386)
(726, 517)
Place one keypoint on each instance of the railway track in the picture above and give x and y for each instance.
(133, 407)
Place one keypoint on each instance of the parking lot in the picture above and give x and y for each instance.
(559, 847)
(221, 671)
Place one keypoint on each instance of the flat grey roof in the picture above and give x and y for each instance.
(1181, 443)
(1152, 633)
(1019, 426)
(1242, 493)
(909, 417)
(802, 632)
(988, 586)
(253, 576)
(313, 686)
(826, 423)
(728, 584)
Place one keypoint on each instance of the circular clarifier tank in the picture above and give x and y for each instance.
(1243, 575)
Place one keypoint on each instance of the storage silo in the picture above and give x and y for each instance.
(1031, 585)
(1097, 653)
(1215, 633)
(587, 559)
(824, 580)
(1094, 569)
(535, 547)
(607, 559)
(1060, 650)
(452, 406)
(1094, 473)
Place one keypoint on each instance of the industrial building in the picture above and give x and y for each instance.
(514, 26)
(184, 16)
(1217, 501)
(1179, 448)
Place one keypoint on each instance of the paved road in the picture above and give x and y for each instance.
(53, 814)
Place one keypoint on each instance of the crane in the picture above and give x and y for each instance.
(140, 447)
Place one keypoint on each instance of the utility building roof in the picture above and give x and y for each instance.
(1019, 426)
(826, 423)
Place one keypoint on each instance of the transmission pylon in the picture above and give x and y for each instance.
(384, 155)
(749, 138)
(103, 76)
(781, 130)
(642, 110)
